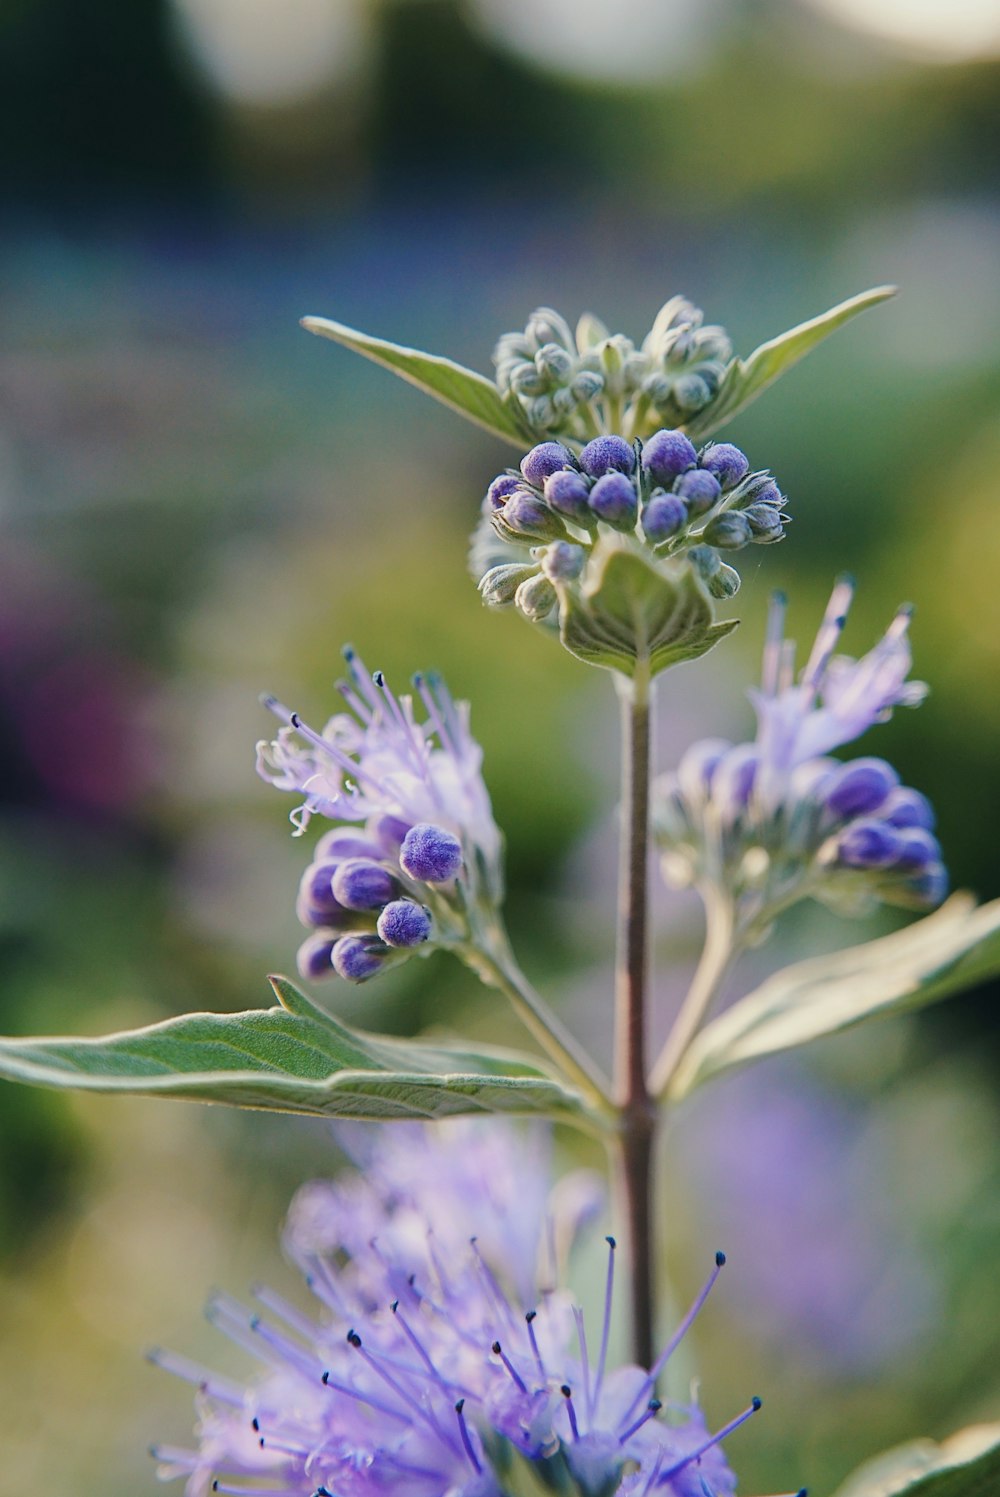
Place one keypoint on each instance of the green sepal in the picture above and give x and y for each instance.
(471, 394)
(294, 1058)
(747, 378)
(965, 1465)
(631, 616)
(544, 1476)
(944, 953)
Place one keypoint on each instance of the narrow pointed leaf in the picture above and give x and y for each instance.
(747, 378)
(944, 953)
(471, 394)
(292, 1059)
(966, 1465)
(633, 617)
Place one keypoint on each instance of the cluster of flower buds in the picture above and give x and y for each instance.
(668, 499)
(418, 862)
(597, 381)
(366, 896)
(777, 820)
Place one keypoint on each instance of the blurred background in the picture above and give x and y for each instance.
(198, 502)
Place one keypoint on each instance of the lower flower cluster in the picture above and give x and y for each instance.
(436, 1365)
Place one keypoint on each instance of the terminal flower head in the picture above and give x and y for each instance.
(439, 1360)
(415, 852)
(777, 820)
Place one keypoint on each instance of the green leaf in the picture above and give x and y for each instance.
(745, 379)
(966, 1465)
(471, 394)
(956, 947)
(632, 617)
(294, 1058)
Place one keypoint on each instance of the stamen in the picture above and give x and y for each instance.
(649, 1382)
(463, 1430)
(652, 1408)
(499, 1298)
(727, 1429)
(278, 708)
(280, 1306)
(567, 1393)
(830, 631)
(581, 1336)
(530, 1319)
(329, 1381)
(421, 1350)
(218, 1388)
(343, 761)
(360, 676)
(228, 1487)
(498, 1351)
(609, 1289)
(412, 1403)
(653, 1476)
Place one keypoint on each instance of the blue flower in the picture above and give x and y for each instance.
(435, 1361)
(774, 821)
(416, 859)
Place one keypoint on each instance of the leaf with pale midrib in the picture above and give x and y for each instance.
(966, 1465)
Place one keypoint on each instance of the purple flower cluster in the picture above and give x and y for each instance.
(426, 855)
(671, 500)
(777, 820)
(437, 1364)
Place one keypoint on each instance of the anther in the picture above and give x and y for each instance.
(652, 1409)
(498, 1351)
(354, 1339)
(463, 1430)
(567, 1393)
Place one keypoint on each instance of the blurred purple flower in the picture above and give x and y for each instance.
(440, 1361)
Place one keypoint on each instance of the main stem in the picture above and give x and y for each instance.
(638, 1117)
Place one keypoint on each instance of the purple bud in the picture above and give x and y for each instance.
(529, 516)
(501, 489)
(388, 832)
(404, 923)
(316, 887)
(430, 853)
(662, 517)
(568, 493)
(733, 780)
(605, 455)
(727, 462)
(698, 490)
(766, 522)
(925, 889)
(360, 885)
(730, 531)
(868, 844)
(546, 458)
(916, 849)
(563, 562)
(666, 454)
(613, 500)
(328, 916)
(356, 958)
(344, 842)
(859, 788)
(313, 958)
(906, 807)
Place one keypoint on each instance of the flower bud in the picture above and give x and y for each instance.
(553, 362)
(730, 531)
(562, 561)
(696, 771)
(613, 500)
(666, 455)
(663, 516)
(546, 458)
(499, 585)
(536, 598)
(766, 523)
(526, 381)
(431, 854)
(906, 807)
(404, 923)
(692, 392)
(733, 780)
(361, 885)
(528, 516)
(867, 843)
(356, 958)
(726, 462)
(344, 842)
(699, 490)
(316, 888)
(725, 583)
(859, 788)
(916, 849)
(925, 889)
(569, 493)
(313, 958)
(389, 831)
(501, 489)
(607, 454)
(587, 385)
(546, 326)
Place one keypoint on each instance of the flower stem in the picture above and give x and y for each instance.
(637, 1110)
(499, 968)
(720, 951)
